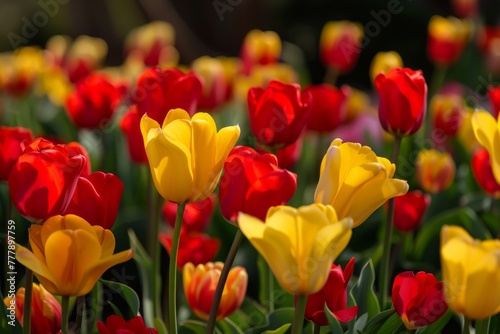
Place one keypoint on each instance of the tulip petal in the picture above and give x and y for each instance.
(39, 268)
(203, 152)
(36, 241)
(67, 222)
(107, 241)
(149, 128)
(484, 126)
(175, 114)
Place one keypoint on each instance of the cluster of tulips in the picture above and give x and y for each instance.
(303, 174)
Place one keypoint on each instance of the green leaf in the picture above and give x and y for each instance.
(364, 292)
(281, 330)
(195, 327)
(375, 323)
(249, 314)
(127, 293)
(393, 325)
(116, 310)
(275, 320)
(334, 323)
(160, 326)
(95, 302)
(464, 217)
(360, 323)
(229, 327)
(437, 326)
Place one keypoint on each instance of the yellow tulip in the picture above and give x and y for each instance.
(298, 244)
(355, 181)
(435, 170)
(471, 273)
(382, 62)
(69, 255)
(186, 155)
(487, 132)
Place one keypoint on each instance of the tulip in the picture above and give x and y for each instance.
(487, 133)
(358, 104)
(494, 95)
(117, 325)
(409, 210)
(93, 103)
(196, 216)
(435, 170)
(159, 91)
(481, 168)
(84, 55)
(447, 39)
(418, 299)
(278, 114)
(299, 245)
(97, 199)
(447, 113)
(334, 294)
(471, 273)
(260, 48)
(194, 247)
(355, 181)
(382, 62)
(45, 310)
(252, 183)
(200, 283)
(43, 180)
(328, 107)
(69, 255)
(130, 124)
(215, 86)
(403, 100)
(189, 148)
(340, 44)
(19, 70)
(12, 141)
(74, 149)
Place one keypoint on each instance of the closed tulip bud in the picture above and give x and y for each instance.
(471, 273)
(334, 295)
(93, 103)
(215, 86)
(383, 62)
(418, 299)
(43, 180)
(260, 48)
(403, 100)
(447, 39)
(447, 113)
(199, 287)
(46, 311)
(481, 168)
(340, 45)
(189, 148)
(130, 124)
(278, 114)
(487, 133)
(252, 183)
(194, 247)
(355, 181)
(196, 216)
(84, 55)
(409, 209)
(299, 245)
(494, 95)
(435, 170)
(328, 107)
(117, 325)
(12, 141)
(97, 199)
(159, 91)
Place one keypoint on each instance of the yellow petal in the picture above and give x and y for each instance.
(484, 126)
(39, 268)
(36, 241)
(106, 239)
(175, 114)
(149, 129)
(203, 159)
(329, 179)
(449, 232)
(68, 222)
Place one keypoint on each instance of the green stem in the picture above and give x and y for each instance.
(409, 331)
(65, 314)
(298, 315)
(331, 76)
(317, 329)
(466, 328)
(222, 281)
(28, 294)
(172, 269)
(266, 283)
(386, 254)
(483, 326)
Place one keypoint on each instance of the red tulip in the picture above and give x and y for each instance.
(279, 113)
(494, 95)
(158, 91)
(196, 217)
(447, 38)
(194, 247)
(12, 141)
(131, 127)
(334, 294)
(447, 112)
(93, 102)
(409, 210)
(418, 299)
(481, 168)
(252, 183)
(117, 325)
(74, 149)
(403, 100)
(328, 107)
(43, 180)
(97, 199)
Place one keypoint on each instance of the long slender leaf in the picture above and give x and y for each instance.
(364, 292)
